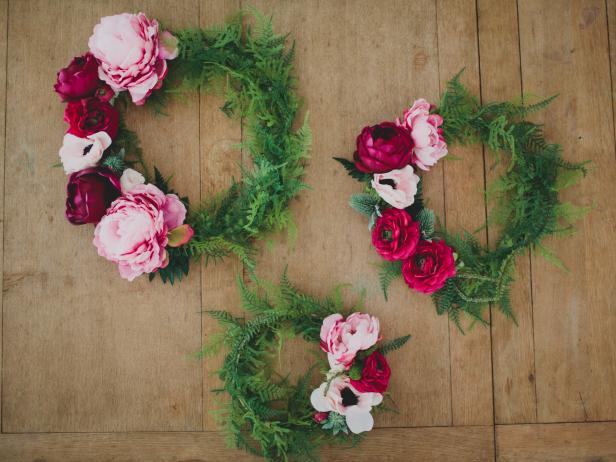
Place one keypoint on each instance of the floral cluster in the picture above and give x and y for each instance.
(135, 222)
(358, 376)
(392, 153)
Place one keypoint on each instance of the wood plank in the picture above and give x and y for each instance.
(461, 444)
(470, 354)
(611, 19)
(569, 442)
(512, 346)
(84, 349)
(354, 73)
(220, 163)
(565, 51)
(4, 14)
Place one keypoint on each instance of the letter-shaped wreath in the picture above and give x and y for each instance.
(145, 227)
(461, 275)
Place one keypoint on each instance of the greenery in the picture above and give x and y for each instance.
(268, 414)
(525, 196)
(252, 69)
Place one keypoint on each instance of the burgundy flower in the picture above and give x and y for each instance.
(89, 193)
(374, 376)
(320, 417)
(382, 148)
(91, 115)
(395, 235)
(430, 267)
(79, 79)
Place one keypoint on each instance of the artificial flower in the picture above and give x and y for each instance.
(89, 193)
(78, 153)
(131, 178)
(340, 396)
(320, 417)
(428, 142)
(395, 235)
(131, 54)
(375, 374)
(79, 79)
(91, 115)
(430, 267)
(397, 187)
(383, 147)
(341, 339)
(134, 231)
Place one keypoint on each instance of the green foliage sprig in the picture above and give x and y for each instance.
(268, 414)
(526, 199)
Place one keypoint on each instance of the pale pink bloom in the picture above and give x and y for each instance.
(340, 396)
(402, 193)
(342, 339)
(131, 54)
(429, 143)
(80, 153)
(130, 178)
(134, 231)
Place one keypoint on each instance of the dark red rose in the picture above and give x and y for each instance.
(382, 148)
(90, 115)
(395, 235)
(374, 376)
(79, 79)
(89, 193)
(431, 265)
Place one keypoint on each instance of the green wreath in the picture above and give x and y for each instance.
(462, 275)
(268, 414)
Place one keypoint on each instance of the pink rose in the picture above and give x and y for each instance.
(429, 144)
(131, 54)
(134, 231)
(341, 339)
(398, 187)
(80, 153)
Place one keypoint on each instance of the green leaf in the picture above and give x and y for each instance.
(364, 203)
(388, 272)
(395, 344)
(426, 219)
(353, 171)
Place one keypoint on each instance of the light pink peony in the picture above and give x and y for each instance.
(429, 143)
(402, 194)
(341, 339)
(341, 397)
(134, 231)
(132, 54)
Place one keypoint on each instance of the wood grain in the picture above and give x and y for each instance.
(470, 354)
(589, 442)
(512, 345)
(84, 349)
(4, 13)
(462, 444)
(565, 50)
(354, 73)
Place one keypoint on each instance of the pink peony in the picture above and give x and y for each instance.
(134, 231)
(131, 53)
(398, 187)
(341, 339)
(429, 143)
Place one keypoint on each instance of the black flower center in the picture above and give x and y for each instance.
(348, 397)
(384, 133)
(388, 182)
(87, 149)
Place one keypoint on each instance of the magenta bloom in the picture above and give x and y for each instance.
(375, 375)
(430, 267)
(135, 230)
(79, 79)
(131, 53)
(383, 147)
(89, 194)
(395, 235)
(91, 115)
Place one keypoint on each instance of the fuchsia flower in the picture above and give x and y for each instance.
(340, 396)
(131, 54)
(88, 194)
(395, 235)
(80, 79)
(428, 142)
(430, 267)
(341, 339)
(397, 187)
(91, 115)
(375, 375)
(136, 229)
(383, 147)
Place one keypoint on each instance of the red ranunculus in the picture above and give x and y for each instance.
(91, 115)
(430, 267)
(89, 193)
(374, 376)
(79, 79)
(395, 235)
(382, 148)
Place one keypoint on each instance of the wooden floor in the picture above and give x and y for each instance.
(98, 369)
